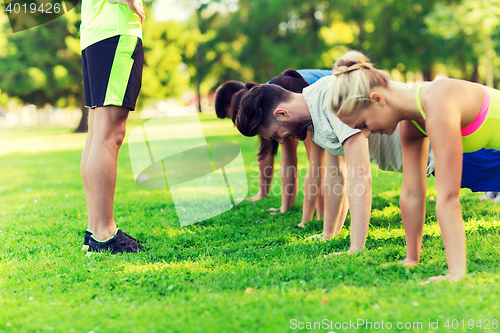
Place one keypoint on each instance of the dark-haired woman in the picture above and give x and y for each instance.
(227, 98)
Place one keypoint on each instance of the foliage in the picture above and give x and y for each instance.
(165, 45)
(243, 271)
(43, 64)
(471, 24)
(279, 35)
(256, 40)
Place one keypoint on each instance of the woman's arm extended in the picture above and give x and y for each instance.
(415, 149)
(443, 125)
(359, 188)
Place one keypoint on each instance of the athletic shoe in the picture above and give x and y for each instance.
(489, 196)
(119, 243)
(86, 239)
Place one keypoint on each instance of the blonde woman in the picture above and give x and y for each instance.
(455, 115)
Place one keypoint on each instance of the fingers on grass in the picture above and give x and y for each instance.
(333, 254)
(316, 236)
(254, 198)
(435, 279)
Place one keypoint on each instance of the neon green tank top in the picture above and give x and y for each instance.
(102, 19)
(487, 135)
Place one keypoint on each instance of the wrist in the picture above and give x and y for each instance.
(455, 275)
(354, 249)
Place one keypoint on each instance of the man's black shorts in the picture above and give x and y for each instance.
(112, 72)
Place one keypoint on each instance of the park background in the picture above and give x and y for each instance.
(245, 270)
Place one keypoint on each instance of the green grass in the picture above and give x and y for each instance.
(242, 271)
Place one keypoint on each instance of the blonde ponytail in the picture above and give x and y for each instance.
(354, 77)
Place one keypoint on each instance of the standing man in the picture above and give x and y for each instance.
(112, 59)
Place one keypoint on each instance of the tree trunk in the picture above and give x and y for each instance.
(490, 54)
(427, 72)
(475, 73)
(199, 76)
(83, 127)
(360, 21)
(199, 56)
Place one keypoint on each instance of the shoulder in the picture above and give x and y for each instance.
(319, 90)
(450, 98)
(441, 87)
(447, 91)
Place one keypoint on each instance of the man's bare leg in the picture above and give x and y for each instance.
(107, 131)
(83, 167)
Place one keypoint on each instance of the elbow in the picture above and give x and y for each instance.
(338, 178)
(364, 178)
(366, 184)
(361, 185)
(334, 186)
(334, 176)
(367, 179)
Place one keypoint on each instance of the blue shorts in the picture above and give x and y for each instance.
(481, 170)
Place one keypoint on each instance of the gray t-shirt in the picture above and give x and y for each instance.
(330, 133)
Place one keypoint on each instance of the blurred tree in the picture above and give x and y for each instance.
(217, 46)
(280, 34)
(42, 65)
(392, 33)
(472, 22)
(255, 40)
(165, 45)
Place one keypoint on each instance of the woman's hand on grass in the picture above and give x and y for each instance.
(275, 211)
(316, 236)
(406, 262)
(350, 251)
(409, 262)
(255, 197)
(439, 278)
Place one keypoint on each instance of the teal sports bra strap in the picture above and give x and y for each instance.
(417, 98)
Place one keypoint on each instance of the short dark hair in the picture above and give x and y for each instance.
(290, 80)
(257, 106)
(223, 96)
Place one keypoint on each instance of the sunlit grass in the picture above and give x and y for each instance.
(242, 271)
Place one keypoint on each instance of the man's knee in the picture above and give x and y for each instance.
(110, 124)
(118, 138)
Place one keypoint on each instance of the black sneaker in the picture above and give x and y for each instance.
(86, 239)
(120, 242)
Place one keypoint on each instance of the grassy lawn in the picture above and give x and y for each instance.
(242, 271)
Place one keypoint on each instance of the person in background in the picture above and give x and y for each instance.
(226, 107)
